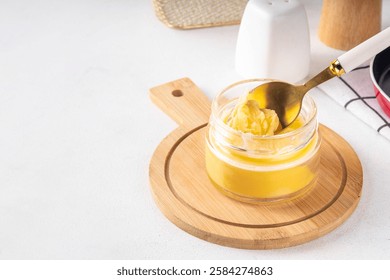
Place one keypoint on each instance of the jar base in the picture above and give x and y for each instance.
(265, 200)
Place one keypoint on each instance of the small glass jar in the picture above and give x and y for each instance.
(255, 168)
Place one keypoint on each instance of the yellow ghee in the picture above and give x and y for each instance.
(248, 117)
(273, 179)
(249, 158)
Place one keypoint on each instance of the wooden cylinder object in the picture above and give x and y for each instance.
(346, 23)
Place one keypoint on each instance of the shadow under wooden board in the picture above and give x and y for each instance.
(183, 192)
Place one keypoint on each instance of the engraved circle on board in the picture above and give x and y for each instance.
(235, 213)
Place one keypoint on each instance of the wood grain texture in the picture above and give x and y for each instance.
(183, 192)
(346, 23)
(184, 102)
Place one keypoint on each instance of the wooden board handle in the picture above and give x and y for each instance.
(183, 101)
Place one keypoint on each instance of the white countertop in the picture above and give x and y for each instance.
(77, 131)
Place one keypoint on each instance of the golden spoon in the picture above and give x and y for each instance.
(286, 99)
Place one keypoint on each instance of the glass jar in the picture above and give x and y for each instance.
(255, 168)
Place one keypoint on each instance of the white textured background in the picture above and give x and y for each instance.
(77, 131)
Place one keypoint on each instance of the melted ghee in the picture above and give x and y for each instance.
(274, 178)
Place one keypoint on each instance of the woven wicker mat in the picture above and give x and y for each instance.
(187, 14)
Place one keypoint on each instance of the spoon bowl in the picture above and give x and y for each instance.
(283, 98)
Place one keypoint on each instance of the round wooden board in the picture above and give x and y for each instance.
(184, 193)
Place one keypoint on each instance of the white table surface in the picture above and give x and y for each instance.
(77, 131)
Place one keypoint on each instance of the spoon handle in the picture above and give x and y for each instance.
(364, 51)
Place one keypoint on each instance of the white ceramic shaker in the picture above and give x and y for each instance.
(273, 41)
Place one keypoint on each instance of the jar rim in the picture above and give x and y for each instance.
(229, 129)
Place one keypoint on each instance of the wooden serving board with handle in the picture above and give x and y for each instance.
(183, 192)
